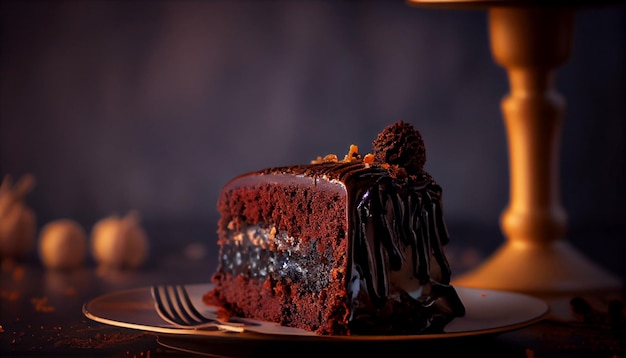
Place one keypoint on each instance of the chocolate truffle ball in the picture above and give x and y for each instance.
(402, 145)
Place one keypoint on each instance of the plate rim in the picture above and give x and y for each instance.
(250, 335)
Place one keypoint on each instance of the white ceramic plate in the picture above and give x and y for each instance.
(487, 311)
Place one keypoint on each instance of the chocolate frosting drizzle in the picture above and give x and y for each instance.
(394, 226)
(387, 220)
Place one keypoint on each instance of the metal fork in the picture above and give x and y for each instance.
(173, 305)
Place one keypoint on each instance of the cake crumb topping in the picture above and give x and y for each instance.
(329, 158)
(353, 154)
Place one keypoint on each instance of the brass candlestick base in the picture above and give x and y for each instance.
(540, 269)
(530, 43)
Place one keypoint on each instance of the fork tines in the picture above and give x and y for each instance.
(173, 305)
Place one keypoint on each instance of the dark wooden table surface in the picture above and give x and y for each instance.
(41, 315)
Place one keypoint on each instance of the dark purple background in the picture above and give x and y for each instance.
(153, 106)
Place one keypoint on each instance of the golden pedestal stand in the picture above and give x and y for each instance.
(531, 42)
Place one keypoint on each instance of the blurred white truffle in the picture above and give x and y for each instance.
(17, 221)
(62, 245)
(119, 243)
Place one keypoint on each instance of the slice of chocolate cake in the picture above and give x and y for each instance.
(342, 247)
